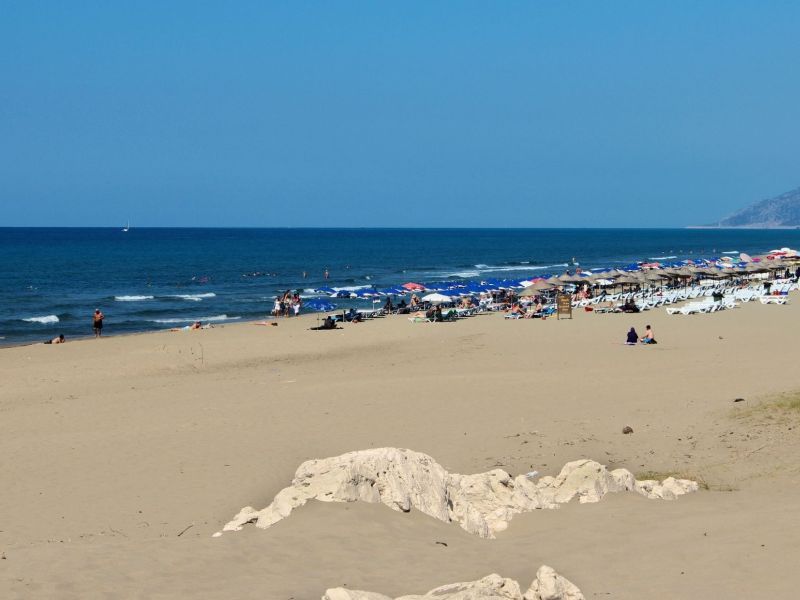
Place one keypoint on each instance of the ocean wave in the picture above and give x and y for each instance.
(497, 268)
(194, 297)
(43, 320)
(731, 252)
(661, 257)
(132, 298)
(192, 320)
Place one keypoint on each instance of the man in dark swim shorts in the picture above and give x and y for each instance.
(97, 323)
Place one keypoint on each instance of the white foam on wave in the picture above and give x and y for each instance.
(524, 267)
(463, 274)
(192, 320)
(731, 252)
(43, 320)
(132, 298)
(661, 257)
(194, 297)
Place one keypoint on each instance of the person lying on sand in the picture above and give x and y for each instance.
(57, 340)
(633, 338)
(193, 326)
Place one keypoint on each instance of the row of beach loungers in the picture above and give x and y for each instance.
(708, 298)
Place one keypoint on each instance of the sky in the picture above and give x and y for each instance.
(406, 114)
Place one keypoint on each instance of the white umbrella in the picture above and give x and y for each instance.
(436, 298)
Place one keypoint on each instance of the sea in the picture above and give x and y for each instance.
(145, 279)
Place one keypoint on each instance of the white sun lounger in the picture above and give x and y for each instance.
(773, 299)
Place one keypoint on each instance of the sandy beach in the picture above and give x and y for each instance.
(122, 456)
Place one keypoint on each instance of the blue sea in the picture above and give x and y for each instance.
(51, 280)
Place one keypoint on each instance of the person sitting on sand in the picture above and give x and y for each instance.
(630, 307)
(196, 325)
(633, 337)
(57, 340)
(649, 337)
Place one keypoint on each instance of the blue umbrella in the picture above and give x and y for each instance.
(319, 305)
(365, 293)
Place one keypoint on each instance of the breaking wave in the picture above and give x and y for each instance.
(43, 320)
(194, 297)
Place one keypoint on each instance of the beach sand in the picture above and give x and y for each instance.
(121, 457)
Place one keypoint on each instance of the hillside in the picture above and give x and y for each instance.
(780, 211)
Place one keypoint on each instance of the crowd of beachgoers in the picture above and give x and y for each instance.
(711, 284)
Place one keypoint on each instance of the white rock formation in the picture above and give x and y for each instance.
(548, 585)
(482, 504)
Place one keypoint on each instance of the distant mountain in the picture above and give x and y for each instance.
(780, 211)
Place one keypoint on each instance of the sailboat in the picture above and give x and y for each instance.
(127, 226)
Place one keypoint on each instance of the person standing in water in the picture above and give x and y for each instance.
(327, 275)
(97, 322)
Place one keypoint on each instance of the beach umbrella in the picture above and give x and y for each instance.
(713, 273)
(573, 278)
(655, 276)
(627, 280)
(413, 287)
(436, 298)
(755, 268)
(535, 288)
(604, 278)
(319, 305)
(368, 293)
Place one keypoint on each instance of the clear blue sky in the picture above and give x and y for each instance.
(527, 114)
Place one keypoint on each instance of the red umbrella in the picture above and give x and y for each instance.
(413, 287)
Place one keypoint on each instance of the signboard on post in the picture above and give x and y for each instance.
(563, 306)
